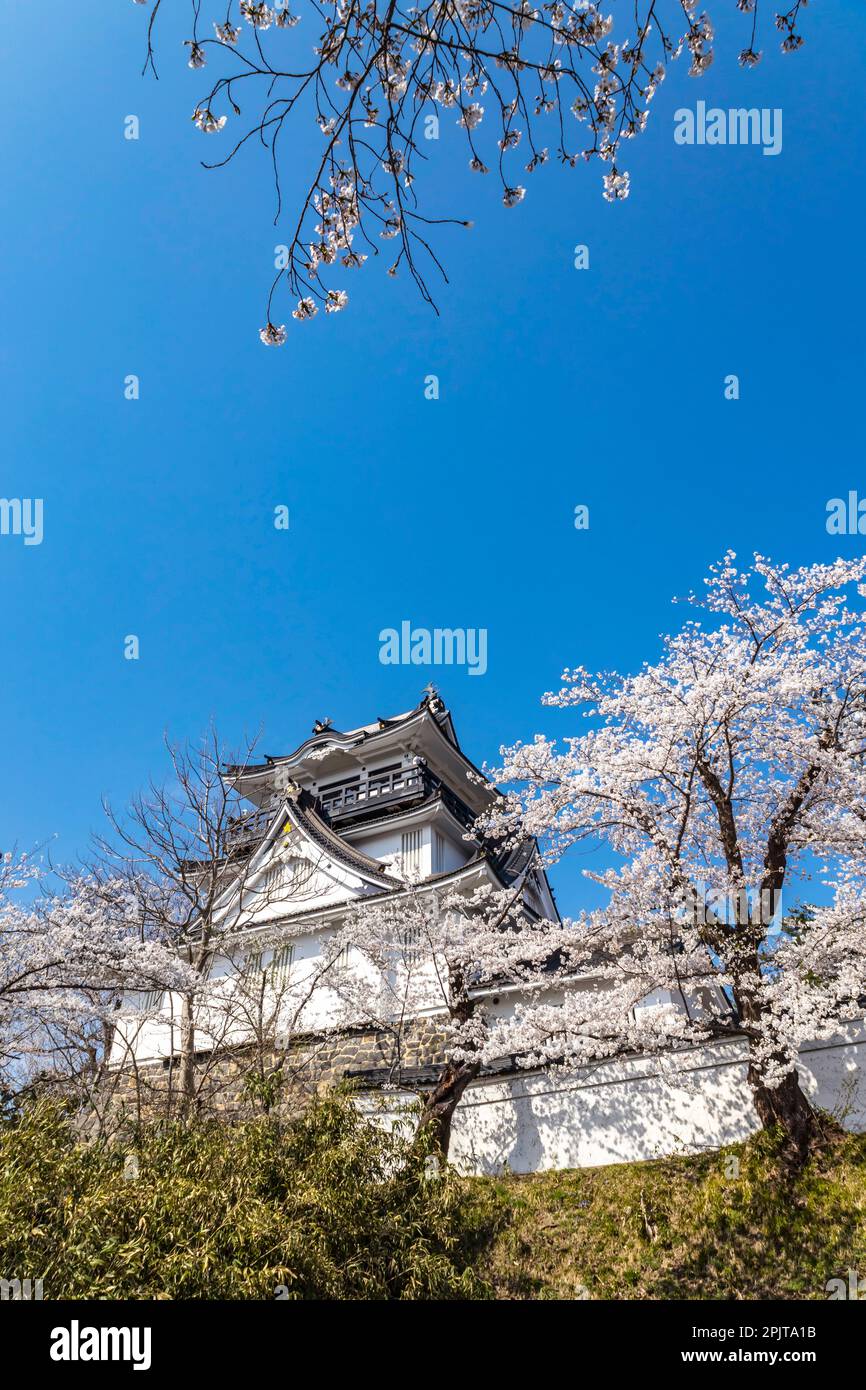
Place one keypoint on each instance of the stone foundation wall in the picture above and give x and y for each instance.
(620, 1111)
(306, 1066)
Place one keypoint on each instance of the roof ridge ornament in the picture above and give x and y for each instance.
(284, 783)
(432, 699)
(322, 726)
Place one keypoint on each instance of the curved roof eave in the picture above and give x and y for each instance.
(237, 774)
(351, 738)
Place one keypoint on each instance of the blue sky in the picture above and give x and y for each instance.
(558, 387)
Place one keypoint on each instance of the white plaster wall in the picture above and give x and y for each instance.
(384, 845)
(454, 852)
(626, 1111)
(381, 845)
(157, 1036)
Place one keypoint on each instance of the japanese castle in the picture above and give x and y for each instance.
(353, 815)
(346, 816)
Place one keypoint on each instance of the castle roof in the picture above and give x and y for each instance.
(338, 782)
(427, 732)
(302, 809)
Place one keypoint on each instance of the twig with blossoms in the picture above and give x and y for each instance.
(380, 71)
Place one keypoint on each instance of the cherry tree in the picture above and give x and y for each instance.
(448, 958)
(66, 958)
(188, 852)
(726, 773)
(256, 1006)
(521, 84)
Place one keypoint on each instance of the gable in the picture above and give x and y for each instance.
(297, 877)
(301, 866)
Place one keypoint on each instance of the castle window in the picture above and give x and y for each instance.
(151, 1000)
(342, 960)
(410, 941)
(281, 966)
(410, 853)
(438, 853)
(280, 879)
(273, 880)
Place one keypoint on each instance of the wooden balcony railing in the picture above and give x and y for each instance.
(376, 789)
(356, 797)
(246, 830)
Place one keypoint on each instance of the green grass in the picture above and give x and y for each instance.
(330, 1207)
(682, 1227)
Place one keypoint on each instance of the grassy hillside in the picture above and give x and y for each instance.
(683, 1227)
(327, 1206)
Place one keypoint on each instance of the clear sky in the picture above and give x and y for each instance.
(558, 387)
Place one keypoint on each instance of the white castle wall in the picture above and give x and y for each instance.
(625, 1111)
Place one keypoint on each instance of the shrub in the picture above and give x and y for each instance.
(325, 1205)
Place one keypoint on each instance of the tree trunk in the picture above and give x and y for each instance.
(783, 1106)
(443, 1100)
(787, 1107)
(187, 1058)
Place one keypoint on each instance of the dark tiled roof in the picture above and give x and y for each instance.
(347, 738)
(303, 808)
(419, 1078)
